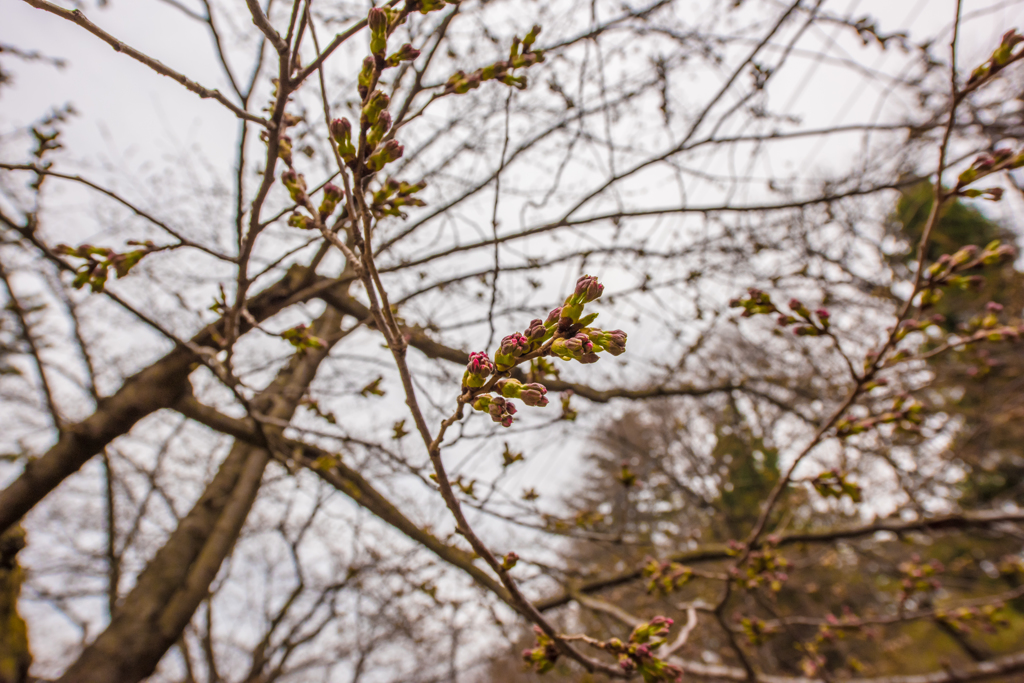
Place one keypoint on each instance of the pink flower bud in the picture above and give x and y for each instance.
(377, 19)
(480, 364)
(514, 344)
(341, 130)
(587, 289)
(536, 331)
(534, 395)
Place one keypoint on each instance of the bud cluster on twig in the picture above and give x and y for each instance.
(99, 261)
(501, 71)
(565, 334)
(806, 323)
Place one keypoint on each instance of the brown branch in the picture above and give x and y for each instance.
(142, 394)
(185, 242)
(993, 667)
(77, 17)
(263, 24)
(331, 468)
(177, 579)
(710, 553)
(26, 333)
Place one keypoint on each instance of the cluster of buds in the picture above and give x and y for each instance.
(587, 289)
(298, 220)
(764, 566)
(512, 347)
(949, 269)
(614, 342)
(666, 577)
(100, 260)
(988, 326)
(509, 561)
(756, 302)
(366, 77)
(638, 656)
(577, 347)
(987, 618)
(833, 484)
(393, 195)
(284, 149)
(905, 414)
(999, 59)
(533, 394)
(807, 324)
(501, 71)
(919, 577)
(543, 655)
(563, 334)
(985, 164)
(813, 661)
(478, 370)
(499, 408)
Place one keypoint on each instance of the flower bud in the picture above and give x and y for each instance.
(587, 289)
(341, 131)
(406, 53)
(537, 333)
(534, 395)
(553, 317)
(478, 370)
(366, 76)
(377, 103)
(379, 129)
(332, 195)
(509, 561)
(378, 23)
(295, 184)
(391, 151)
(613, 342)
(573, 348)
